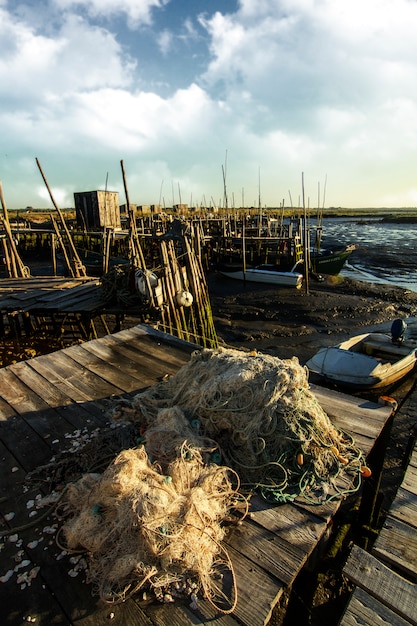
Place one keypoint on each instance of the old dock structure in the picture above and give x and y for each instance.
(385, 577)
(54, 306)
(48, 402)
(168, 289)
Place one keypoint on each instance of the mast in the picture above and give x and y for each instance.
(224, 168)
(306, 246)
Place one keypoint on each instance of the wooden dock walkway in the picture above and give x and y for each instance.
(28, 305)
(45, 400)
(385, 579)
(42, 294)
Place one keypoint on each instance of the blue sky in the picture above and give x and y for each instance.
(270, 90)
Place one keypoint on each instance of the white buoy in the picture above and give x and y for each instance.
(184, 298)
(141, 282)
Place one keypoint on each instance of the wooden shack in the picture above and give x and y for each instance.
(96, 210)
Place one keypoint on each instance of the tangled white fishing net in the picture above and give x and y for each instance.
(227, 423)
(259, 414)
(142, 527)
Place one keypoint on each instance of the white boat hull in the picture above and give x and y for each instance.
(269, 277)
(369, 361)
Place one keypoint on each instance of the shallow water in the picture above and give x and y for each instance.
(386, 253)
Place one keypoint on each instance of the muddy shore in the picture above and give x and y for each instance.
(288, 322)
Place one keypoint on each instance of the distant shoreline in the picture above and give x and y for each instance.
(398, 214)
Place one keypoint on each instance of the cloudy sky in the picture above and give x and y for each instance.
(267, 92)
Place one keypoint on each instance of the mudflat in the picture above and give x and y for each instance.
(286, 322)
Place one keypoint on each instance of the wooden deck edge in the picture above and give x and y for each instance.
(364, 610)
(387, 587)
(152, 331)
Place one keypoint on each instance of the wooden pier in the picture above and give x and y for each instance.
(386, 577)
(45, 400)
(49, 304)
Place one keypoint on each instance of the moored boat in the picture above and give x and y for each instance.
(330, 261)
(265, 274)
(368, 361)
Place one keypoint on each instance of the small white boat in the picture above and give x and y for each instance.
(265, 274)
(368, 361)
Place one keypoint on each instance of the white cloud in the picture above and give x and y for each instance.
(298, 53)
(165, 41)
(140, 123)
(35, 67)
(290, 85)
(136, 11)
(336, 79)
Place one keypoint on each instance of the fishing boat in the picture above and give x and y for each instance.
(265, 274)
(331, 260)
(368, 361)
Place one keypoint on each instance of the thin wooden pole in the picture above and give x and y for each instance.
(7, 257)
(64, 250)
(13, 260)
(79, 268)
(139, 259)
(53, 252)
(170, 287)
(306, 245)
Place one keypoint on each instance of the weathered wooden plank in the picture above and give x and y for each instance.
(71, 592)
(79, 384)
(114, 372)
(149, 355)
(126, 614)
(43, 414)
(171, 344)
(48, 392)
(399, 595)
(17, 394)
(145, 363)
(35, 603)
(257, 590)
(177, 615)
(39, 282)
(351, 405)
(6, 411)
(404, 507)
(12, 476)
(292, 524)
(410, 480)
(281, 559)
(16, 558)
(28, 447)
(72, 292)
(51, 369)
(35, 413)
(354, 415)
(137, 351)
(364, 610)
(396, 544)
(47, 294)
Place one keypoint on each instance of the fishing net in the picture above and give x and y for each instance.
(261, 418)
(144, 528)
(226, 424)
